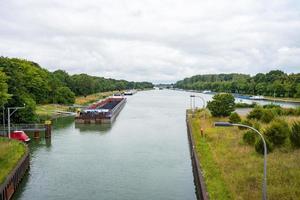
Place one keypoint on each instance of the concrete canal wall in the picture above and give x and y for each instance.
(10, 185)
(198, 177)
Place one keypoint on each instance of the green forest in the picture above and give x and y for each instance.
(274, 83)
(26, 82)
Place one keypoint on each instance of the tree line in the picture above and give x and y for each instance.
(274, 83)
(26, 82)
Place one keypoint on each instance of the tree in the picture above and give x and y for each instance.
(4, 96)
(221, 105)
(64, 95)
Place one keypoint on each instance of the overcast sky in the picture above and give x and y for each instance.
(153, 40)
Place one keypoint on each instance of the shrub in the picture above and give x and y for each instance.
(256, 125)
(271, 106)
(234, 118)
(289, 111)
(245, 122)
(249, 137)
(221, 105)
(278, 111)
(259, 147)
(256, 113)
(277, 132)
(267, 116)
(245, 105)
(295, 134)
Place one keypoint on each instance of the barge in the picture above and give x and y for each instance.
(104, 111)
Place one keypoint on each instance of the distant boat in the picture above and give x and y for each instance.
(257, 98)
(129, 92)
(206, 91)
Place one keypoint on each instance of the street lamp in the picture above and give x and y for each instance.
(14, 109)
(192, 101)
(3, 117)
(264, 189)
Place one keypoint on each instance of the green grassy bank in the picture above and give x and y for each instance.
(11, 152)
(47, 111)
(233, 169)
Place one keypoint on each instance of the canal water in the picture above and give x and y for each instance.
(143, 155)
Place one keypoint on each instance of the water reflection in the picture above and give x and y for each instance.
(94, 128)
(63, 122)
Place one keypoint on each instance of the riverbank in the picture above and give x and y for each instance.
(11, 152)
(287, 100)
(86, 100)
(233, 169)
(48, 111)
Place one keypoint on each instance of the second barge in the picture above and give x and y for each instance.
(105, 111)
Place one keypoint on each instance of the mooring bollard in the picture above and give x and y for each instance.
(36, 135)
(47, 129)
(202, 132)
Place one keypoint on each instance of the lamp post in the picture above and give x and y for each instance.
(264, 189)
(192, 101)
(3, 117)
(14, 109)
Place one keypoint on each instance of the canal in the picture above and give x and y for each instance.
(143, 155)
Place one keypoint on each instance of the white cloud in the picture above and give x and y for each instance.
(154, 40)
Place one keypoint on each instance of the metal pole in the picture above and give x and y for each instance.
(3, 117)
(8, 122)
(8, 117)
(194, 104)
(265, 159)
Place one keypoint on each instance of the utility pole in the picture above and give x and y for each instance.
(14, 109)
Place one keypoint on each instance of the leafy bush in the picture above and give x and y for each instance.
(290, 111)
(259, 146)
(221, 105)
(271, 106)
(234, 118)
(245, 122)
(249, 137)
(295, 134)
(267, 116)
(256, 113)
(245, 105)
(64, 95)
(278, 111)
(277, 132)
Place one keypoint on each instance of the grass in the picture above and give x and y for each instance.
(233, 170)
(46, 111)
(49, 109)
(287, 99)
(93, 97)
(11, 152)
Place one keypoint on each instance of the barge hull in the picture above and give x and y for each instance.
(103, 119)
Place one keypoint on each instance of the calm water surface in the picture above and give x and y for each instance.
(143, 155)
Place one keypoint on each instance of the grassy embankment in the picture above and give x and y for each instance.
(284, 99)
(11, 152)
(49, 110)
(233, 169)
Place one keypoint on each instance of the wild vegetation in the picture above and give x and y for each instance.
(275, 83)
(231, 157)
(11, 151)
(25, 82)
(221, 105)
(233, 169)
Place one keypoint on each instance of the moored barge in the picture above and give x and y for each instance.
(104, 111)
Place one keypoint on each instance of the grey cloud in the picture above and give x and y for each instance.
(153, 40)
